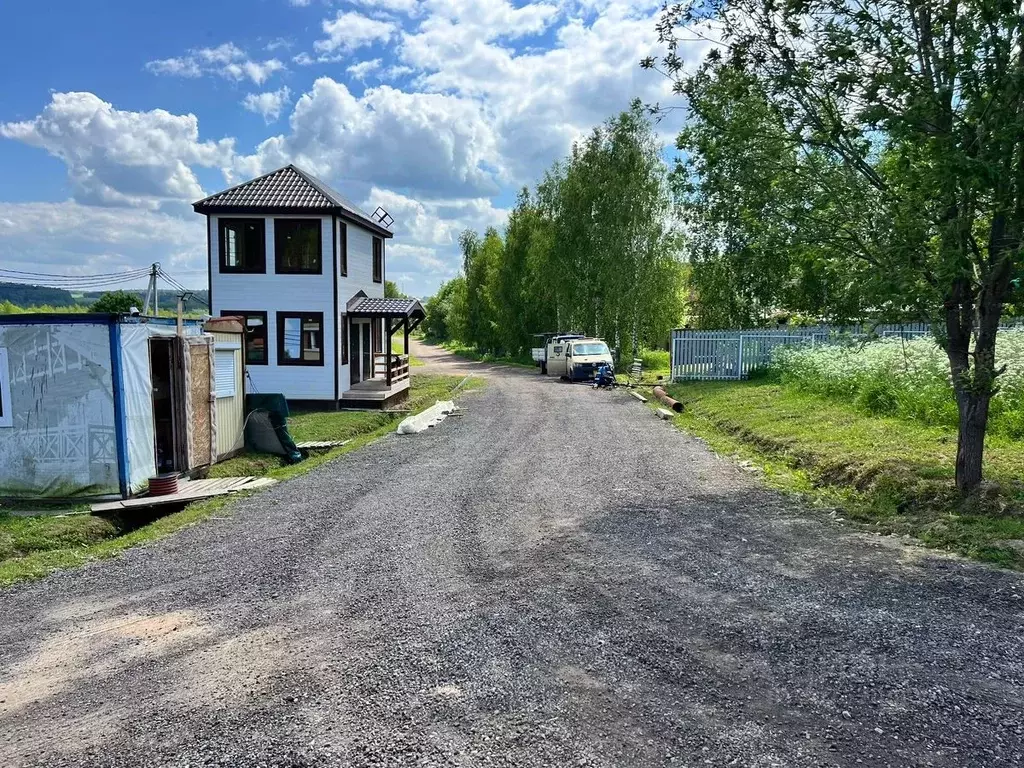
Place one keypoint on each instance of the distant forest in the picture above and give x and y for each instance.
(39, 296)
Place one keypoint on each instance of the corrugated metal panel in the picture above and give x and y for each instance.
(230, 410)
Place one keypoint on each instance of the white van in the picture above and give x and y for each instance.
(577, 359)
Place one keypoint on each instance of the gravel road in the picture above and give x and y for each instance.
(552, 578)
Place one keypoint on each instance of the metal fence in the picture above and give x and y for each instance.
(734, 354)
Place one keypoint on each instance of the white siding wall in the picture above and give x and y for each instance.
(360, 278)
(272, 293)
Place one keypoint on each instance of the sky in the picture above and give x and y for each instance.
(115, 116)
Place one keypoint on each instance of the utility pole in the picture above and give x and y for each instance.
(151, 290)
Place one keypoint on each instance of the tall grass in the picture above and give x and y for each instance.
(904, 378)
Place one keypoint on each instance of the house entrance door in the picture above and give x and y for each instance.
(353, 353)
(367, 353)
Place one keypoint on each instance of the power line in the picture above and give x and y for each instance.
(69, 277)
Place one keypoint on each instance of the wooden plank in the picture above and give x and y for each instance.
(189, 491)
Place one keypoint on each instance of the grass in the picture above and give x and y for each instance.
(886, 474)
(462, 350)
(34, 546)
(398, 348)
(906, 378)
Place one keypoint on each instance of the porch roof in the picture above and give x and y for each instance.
(365, 306)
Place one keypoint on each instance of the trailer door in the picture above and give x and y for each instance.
(556, 358)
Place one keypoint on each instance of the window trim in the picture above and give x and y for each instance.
(279, 268)
(245, 333)
(378, 259)
(303, 316)
(6, 412)
(222, 264)
(343, 253)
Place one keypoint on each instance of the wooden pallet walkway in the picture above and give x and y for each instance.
(189, 490)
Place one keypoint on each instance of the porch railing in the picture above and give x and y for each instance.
(399, 367)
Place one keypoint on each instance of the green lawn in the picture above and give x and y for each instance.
(890, 475)
(471, 353)
(31, 547)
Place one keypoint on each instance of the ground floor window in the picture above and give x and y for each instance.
(344, 339)
(300, 338)
(255, 324)
(6, 415)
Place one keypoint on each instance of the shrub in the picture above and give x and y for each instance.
(905, 378)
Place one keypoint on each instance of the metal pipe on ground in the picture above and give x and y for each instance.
(663, 396)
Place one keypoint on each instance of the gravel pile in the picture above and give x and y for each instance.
(551, 578)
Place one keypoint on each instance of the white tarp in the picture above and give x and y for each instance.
(434, 415)
(62, 439)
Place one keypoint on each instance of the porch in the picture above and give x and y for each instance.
(389, 371)
(379, 389)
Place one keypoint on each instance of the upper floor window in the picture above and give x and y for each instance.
(243, 246)
(297, 246)
(343, 253)
(378, 260)
(300, 338)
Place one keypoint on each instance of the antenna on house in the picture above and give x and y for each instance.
(383, 217)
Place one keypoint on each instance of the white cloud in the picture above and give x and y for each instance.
(268, 104)
(117, 157)
(349, 31)
(82, 239)
(430, 143)
(299, 3)
(425, 250)
(408, 7)
(539, 101)
(363, 68)
(226, 60)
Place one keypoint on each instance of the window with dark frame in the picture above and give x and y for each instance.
(343, 252)
(255, 324)
(297, 246)
(344, 339)
(243, 246)
(378, 260)
(300, 338)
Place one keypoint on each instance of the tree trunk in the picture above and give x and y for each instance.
(970, 444)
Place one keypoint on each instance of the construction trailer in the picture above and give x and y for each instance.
(94, 405)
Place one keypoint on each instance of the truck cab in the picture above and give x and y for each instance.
(582, 358)
(571, 355)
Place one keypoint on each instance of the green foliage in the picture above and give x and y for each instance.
(590, 250)
(117, 301)
(909, 379)
(860, 156)
(7, 308)
(391, 290)
(34, 295)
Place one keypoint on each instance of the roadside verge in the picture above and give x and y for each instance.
(887, 475)
(33, 546)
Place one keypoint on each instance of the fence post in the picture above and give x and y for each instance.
(739, 355)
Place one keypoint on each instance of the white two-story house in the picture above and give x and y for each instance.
(304, 268)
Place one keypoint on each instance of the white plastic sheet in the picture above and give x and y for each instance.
(434, 415)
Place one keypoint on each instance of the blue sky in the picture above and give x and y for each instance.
(114, 116)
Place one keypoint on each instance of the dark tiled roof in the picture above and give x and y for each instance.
(288, 187)
(368, 306)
